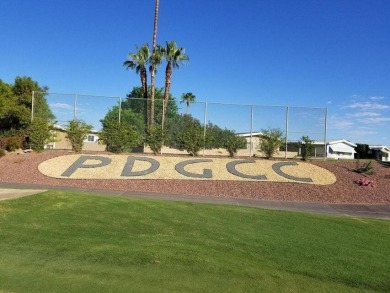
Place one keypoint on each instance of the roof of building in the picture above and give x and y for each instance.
(382, 148)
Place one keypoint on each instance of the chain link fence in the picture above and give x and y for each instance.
(245, 120)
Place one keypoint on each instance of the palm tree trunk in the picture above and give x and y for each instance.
(152, 93)
(155, 24)
(151, 111)
(144, 82)
(168, 76)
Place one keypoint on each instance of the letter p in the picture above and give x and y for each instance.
(80, 163)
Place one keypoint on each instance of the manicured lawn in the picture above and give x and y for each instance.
(70, 242)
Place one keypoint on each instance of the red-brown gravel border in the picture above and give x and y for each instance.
(20, 168)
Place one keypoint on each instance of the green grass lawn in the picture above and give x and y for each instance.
(71, 242)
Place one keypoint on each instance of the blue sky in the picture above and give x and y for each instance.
(333, 54)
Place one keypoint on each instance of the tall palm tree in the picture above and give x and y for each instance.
(187, 98)
(154, 63)
(138, 62)
(174, 57)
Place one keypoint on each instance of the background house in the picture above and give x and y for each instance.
(91, 142)
(333, 149)
(380, 152)
(340, 149)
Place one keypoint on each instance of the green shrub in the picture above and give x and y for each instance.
(190, 137)
(306, 145)
(76, 133)
(155, 138)
(119, 137)
(39, 134)
(365, 168)
(231, 142)
(270, 141)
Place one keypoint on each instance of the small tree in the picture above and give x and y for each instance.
(189, 135)
(362, 151)
(120, 137)
(306, 145)
(77, 132)
(155, 138)
(270, 141)
(40, 132)
(187, 98)
(231, 142)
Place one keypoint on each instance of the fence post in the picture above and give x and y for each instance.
(74, 109)
(204, 128)
(162, 124)
(250, 140)
(325, 134)
(32, 106)
(120, 109)
(285, 151)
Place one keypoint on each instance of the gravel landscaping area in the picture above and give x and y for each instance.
(23, 168)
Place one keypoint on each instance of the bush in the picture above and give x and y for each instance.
(2, 153)
(40, 133)
(188, 135)
(231, 142)
(155, 138)
(306, 145)
(76, 133)
(365, 168)
(13, 143)
(119, 137)
(270, 141)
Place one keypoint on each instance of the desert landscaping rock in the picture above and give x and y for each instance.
(24, 170)
(173, 168)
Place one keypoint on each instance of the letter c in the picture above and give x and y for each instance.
(277, 169)
(231, 167)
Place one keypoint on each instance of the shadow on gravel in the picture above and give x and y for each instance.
(384, 164)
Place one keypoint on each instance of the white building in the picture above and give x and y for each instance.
(380, 152)
(340, 149)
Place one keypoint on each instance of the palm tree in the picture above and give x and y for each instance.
(187, 98)
(174, 57)
(154, 63)
(138, 62)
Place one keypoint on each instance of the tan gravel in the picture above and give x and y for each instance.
(56, 166)
(24, 169)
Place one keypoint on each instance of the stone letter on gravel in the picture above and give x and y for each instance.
(127, 169)
(277, 169)
(207, 173)
(231, 167)
(104, 161)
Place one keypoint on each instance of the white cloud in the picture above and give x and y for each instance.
(359, 133)
(340, 123)
(374, 120)
(61, 106)
(368, 106)
(375, 98)
(363, 114)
